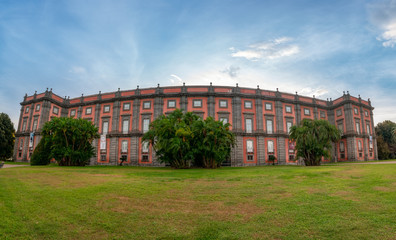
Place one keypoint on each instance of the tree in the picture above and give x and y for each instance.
(7, 136)
(183, 138)
(386, 139)
(213, 141)
(70, 140)
(41, 154)
(313, 140)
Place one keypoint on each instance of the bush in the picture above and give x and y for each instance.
(41, 154)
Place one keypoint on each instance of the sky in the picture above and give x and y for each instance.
(319, 48)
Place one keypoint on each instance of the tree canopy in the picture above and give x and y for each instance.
(7, 136)
(182, 139)
(313, 140)
(386, 139)
(70, 140)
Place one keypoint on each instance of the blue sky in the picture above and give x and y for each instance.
(319, 48)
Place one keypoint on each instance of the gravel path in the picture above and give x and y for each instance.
(13, 165)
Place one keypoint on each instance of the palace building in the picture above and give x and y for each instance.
(261, 120)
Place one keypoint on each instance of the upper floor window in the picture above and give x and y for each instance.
(223, 103)
(106, 108)
(288, 109)
(366, 113)
(24, 125)
(342, 146)
(322, 114)
(146, 125)
(269, 127)
(357, 126)
(359, 145)
(125, 126)
(146, 105)
(249, 146)
(368, 128)
(355, 110)
(126, 106)
(35, 121)
(224, 120)
(249, 123)
(248, 104)
(171, 103)
(145, 147)
(88, 110)
(55, 110)
(72, 112)
(340, 127)
(27, 109)
(268, 106)
(339, 112)
(307, 111)
(105, 127)
(37, 107)
(197, 103)
(21, 144)
(288, 126)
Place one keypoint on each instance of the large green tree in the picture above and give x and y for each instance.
(70, 140)
(181, 139)
(386, 139)
(7, 136)
(313, 140)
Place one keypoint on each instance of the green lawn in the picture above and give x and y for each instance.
(274, 202)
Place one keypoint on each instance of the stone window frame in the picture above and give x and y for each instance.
(146, 118)
(55, 110)
(248, 104)
(360, 145)
(290, 107)
(340, 122)
(21, 144)
(223, 101)
(270, 106)
(106, 108)
(339, 112)
(224, 115)
(322, 113)
(269, 118)
(88, 111)
(342, 150)
(35, 121)
(368, 128)
(195, 101)
(366, 113)
(124, 119)
(357, 122)
(72, 112)
(305, 112)
(171, 101)
(355, 110)
(38, 106)
(27, 109)
(105, 120)
(146, 104)
(124, 108)
(24, 124)
(273, 147)
(246, 124)
(291, 125)
(145, 147)
(247, 146)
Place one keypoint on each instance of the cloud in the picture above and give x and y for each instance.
(232, 71)
(274, 49)
(317, 92)
(78, 70)
(383, 17)
(175, 80)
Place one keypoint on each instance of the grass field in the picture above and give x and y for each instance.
(281, 202)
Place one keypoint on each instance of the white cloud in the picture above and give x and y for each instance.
(383, 17)
(232, 71)
(274, 49)
(175, 80)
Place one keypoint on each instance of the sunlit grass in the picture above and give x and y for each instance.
(281, 202)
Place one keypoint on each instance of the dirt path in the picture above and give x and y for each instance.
(13, 165)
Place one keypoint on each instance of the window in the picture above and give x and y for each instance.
(355, 110)
(21, 144)
(307, 111)
(270, 146)
(357, 127)
(125, 126)
(197, 103)
(24, 125)
(342, 147)
(171, 103)
(146, 124)
(37, 107)
(124, 146)
(103, 157)
(248, 125)
(340, 127)
(145, 147)
(146, 105)
(73, 113)
(368, 128)
(366, 113)
(55, 110)
(145, 158)
(248, 104)
(34, 124)
(27, 109)
(268, 106)
(88, 110)
(106, 108)
(126, 106)
(359, 145)
(339, 112)
(249, 146)
(223, 103)
(288, 126)
(224, 120)
(250, 157)
(322, 114)
(288, 109)
(269, 127)
(105, 127)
